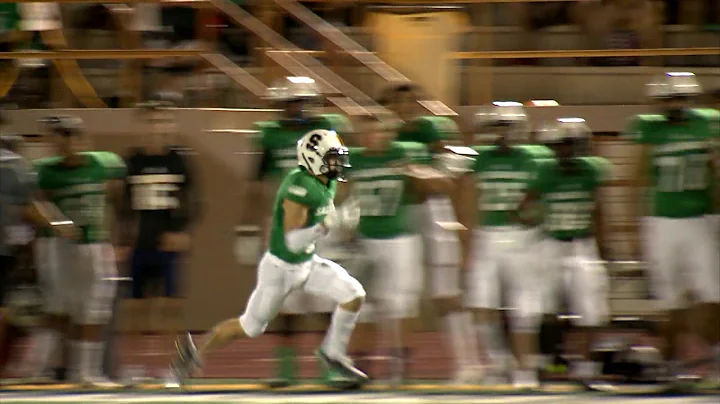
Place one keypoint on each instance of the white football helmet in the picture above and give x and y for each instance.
(674, 84)
(293, 88)
(322, 152)
(564, 129)
(508, 114)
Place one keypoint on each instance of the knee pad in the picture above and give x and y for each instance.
(252, 327)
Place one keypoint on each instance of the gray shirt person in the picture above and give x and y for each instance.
(18, 182)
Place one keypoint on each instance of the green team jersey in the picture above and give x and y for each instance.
(569, 197)
(681, 177)
(9, 17)
(502, 179)
(306, 189)
(81, 192)
(428, 130)
(381, 187)
(279, 143)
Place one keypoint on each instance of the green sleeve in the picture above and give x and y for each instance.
(602, 168)
(339, 123)
(711, 117)
(544, 169)
(41, 167)
(262, 127)
(113, 164)
(640, 128)
(415, 152)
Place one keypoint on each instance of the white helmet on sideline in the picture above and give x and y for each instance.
(322, 152)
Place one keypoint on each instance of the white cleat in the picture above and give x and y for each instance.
(99, 383)
(525, 379)
(468, 375)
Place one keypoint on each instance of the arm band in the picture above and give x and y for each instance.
(298, 240)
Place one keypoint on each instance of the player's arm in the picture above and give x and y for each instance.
(598, 227)
(298, 235)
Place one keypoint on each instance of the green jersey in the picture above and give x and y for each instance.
(279, 142)
(381, 187)
(681, 176)
(9, 17)
(569, 196)
(502, 178)
(304, 188)
(81, 192)
(428, 130)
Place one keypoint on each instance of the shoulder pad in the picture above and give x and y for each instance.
(337, 122)
(45, 161)
(415, 151)
(706, 113)
(536, 151)
(601, 165)
(264, 126)
(440, 124)
(649, 118)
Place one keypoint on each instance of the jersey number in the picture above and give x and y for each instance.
(83, 210)
(155, 197)
(379, 198)
(682, 173)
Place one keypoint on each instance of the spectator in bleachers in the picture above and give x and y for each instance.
(623, 24)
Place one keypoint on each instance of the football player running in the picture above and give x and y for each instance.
(303, 213)
(82, 184)
(567, 188)
(501, 265)
(299, 99)
(446, 243)
(676, 178)
(384, 181)
(162, 197)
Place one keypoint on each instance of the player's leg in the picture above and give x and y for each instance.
(401, 258)
(168, 308)
(447, 299)
(704, 269)
(48, 341)
(525, 297)
(366, 335)
(443, 256)
(549, 285)
(94, 268)
(273, 285)
(483, 298)
(661, 237)
(587, 290)
(330, 280)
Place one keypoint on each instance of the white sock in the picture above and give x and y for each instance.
(87, 358)
(458, 339)
(473, 352)
(494, 344)
(338, 335)
(43, 345)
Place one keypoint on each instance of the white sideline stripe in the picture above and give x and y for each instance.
(294, 399)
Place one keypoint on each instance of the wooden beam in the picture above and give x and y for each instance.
(583, 53)
(102, 54)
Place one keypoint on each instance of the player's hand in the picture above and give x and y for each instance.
(175, 242)
(66, 229)
(346, 216)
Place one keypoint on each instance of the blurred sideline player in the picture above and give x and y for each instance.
(19, 203)
(299, 99)
(568, 188)
(303, 213)
(49, 357)
(83, 184)
(501, 264)
(161, 199)
(715, 104)
(446, 245)
(675, 177)
(383, 181)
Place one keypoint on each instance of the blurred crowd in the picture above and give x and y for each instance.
(595, 24)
